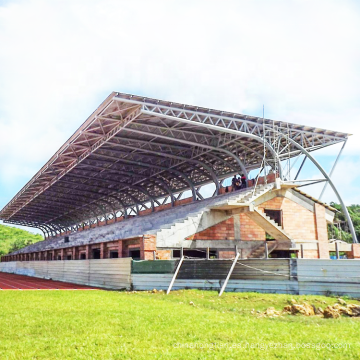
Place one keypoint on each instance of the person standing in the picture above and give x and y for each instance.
(233, 183)
(238, 183)
(243, 181)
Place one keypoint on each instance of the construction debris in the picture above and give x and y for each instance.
(331, 312)
(304, 309)
(341, 301)
(269, 312)
(335, 311)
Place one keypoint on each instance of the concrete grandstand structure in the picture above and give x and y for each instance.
(118, 187)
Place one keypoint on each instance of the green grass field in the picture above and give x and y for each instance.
(142, 325)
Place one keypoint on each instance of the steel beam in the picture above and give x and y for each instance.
(345, 210)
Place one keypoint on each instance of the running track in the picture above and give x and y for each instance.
(21, 282)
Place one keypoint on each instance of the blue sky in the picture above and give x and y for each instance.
(60, 59)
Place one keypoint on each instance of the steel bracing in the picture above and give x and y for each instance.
(134, 154)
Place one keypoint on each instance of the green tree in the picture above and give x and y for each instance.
(342, 230)
(12, 239)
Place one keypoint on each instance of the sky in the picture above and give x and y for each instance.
(60, 59)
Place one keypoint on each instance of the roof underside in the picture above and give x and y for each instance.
(133, 151)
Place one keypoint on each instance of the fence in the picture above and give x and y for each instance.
(286, 276)
(106, 273)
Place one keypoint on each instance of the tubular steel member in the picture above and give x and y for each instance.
(163, 185)
(214, 127)
(175, 275)
(163, 154)
(242, 167)
(333, 168)
(33, 224)
(312, 159)
(229, 274)
(139, 163)
(126, 186)
(171, 147)
(158, 139)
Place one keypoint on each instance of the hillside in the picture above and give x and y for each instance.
(341, 230)
(12, 239)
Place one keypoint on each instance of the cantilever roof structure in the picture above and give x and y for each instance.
(134, 152)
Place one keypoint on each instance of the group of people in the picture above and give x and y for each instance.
(238, 182)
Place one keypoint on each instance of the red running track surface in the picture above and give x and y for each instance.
(22, 282)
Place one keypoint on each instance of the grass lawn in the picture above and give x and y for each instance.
(142, 325)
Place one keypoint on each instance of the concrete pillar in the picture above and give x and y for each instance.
(355, 252)
(321, 231)
(120, 248)
(147, 247)
(87, 250)
(237, 232)
(102, 251)
(74, 253)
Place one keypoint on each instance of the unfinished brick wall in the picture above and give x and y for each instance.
(302, 224)
(225, 230)
(163, 254)
(147, 247)
(226, 254)
(355, 252)
(298, 222)
(221, 231)
(249, 230)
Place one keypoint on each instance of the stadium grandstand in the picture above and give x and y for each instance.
(150, 179)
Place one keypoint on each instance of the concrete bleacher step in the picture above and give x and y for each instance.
(183, 212)
(180, 221)
(252, 196)
(199, 216)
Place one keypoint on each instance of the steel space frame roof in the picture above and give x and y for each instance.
(135, 153)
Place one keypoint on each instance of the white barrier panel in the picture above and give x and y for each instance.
(106, 273)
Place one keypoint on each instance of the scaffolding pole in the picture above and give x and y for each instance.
(229, 274)
(175, 275)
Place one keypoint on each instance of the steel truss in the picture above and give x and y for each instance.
(134, 154)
